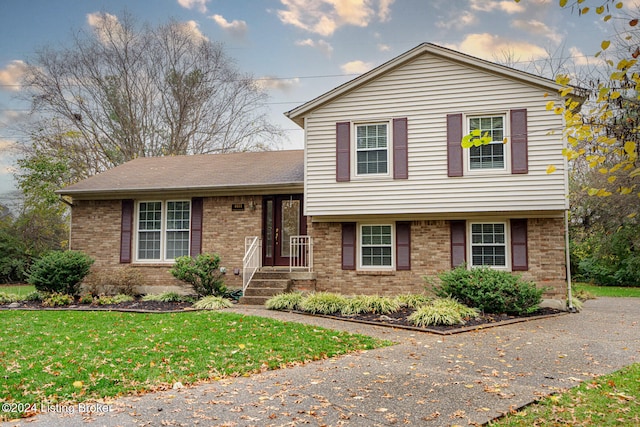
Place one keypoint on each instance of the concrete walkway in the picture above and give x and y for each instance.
(425, 380)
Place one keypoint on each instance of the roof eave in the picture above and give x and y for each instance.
(191, 190)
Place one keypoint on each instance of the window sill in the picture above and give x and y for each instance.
(152, 264)
(375, 273)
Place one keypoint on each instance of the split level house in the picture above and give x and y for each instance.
(382, 196)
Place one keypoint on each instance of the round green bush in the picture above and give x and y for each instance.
(490, 291)
(60, 272)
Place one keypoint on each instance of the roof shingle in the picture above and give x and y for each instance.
(197, 172)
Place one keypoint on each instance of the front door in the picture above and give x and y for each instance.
(282, 219)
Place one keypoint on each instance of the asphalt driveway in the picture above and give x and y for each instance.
(423, 380)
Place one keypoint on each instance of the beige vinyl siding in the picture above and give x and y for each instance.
(425, 90)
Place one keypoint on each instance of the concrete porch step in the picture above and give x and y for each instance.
(264, 292)
(257, 300)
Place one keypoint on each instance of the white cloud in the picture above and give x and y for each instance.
(322, 45)
(356, 67)
(537, 28)
(383, 47)
(507, 6)
(193, 29)
(276, 83)
(235, 28)
(104, 24)
(6, 144)
(200, 5)
(11, 75)
(458, 21)
(487, 46)
(324, 17)
(384, 10)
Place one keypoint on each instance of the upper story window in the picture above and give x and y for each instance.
(372, 149)
(489, 156)
(163, 230)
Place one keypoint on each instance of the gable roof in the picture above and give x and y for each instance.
(204, 173)
(298, 113)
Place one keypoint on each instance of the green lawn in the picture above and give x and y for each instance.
(21, 290)
(49, 357)
(611, 400)
(608, 291)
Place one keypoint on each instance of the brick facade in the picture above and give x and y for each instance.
(95, 230)
(431, 255)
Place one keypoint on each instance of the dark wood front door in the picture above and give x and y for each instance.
(282, 218)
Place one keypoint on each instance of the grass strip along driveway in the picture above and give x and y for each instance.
(50, 357)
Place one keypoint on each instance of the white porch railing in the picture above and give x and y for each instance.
(301, 253)
(252, 260)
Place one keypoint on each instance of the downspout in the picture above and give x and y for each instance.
(571, 308)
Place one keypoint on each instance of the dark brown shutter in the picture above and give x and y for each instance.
(454, 147)
(458, 243)
(519, 256)
(349, 246)
(196, 226)
(400, 149)
(126, 231)
(403, 246)
(343, 151)
(519, 145)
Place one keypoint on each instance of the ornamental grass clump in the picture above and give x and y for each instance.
(7, 298)
(212, 303)
(383, 305)
(442, 311)
(413, 300)
(356, 305)
(490, 291)
(286, 301)
(323, 303)
(166, 297)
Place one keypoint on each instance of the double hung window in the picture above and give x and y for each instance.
(376, 246)
(492, 155)
(488, 244)
(372, 149)
(163, 230)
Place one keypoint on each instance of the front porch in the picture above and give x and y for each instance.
(259, 283)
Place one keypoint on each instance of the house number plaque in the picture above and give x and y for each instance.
(237, 207)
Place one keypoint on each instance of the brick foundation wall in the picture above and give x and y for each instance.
(430, 255)
(95, 230)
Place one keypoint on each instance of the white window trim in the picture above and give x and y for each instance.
(507, 244)
(354, 150)
(507, 147)
(359, 248)
(163, 231)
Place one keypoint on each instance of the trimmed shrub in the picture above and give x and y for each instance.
(212, 303)
(202, 273)
(286, 301)
(323, 303)
(444, 311)
(33, 296)
(113, 282)
(60, 272)
(489, 290)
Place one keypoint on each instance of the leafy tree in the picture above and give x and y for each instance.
(125, 91)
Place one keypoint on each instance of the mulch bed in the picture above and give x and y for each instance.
(398, 319)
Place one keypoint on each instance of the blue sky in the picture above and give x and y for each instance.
(298, 48)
